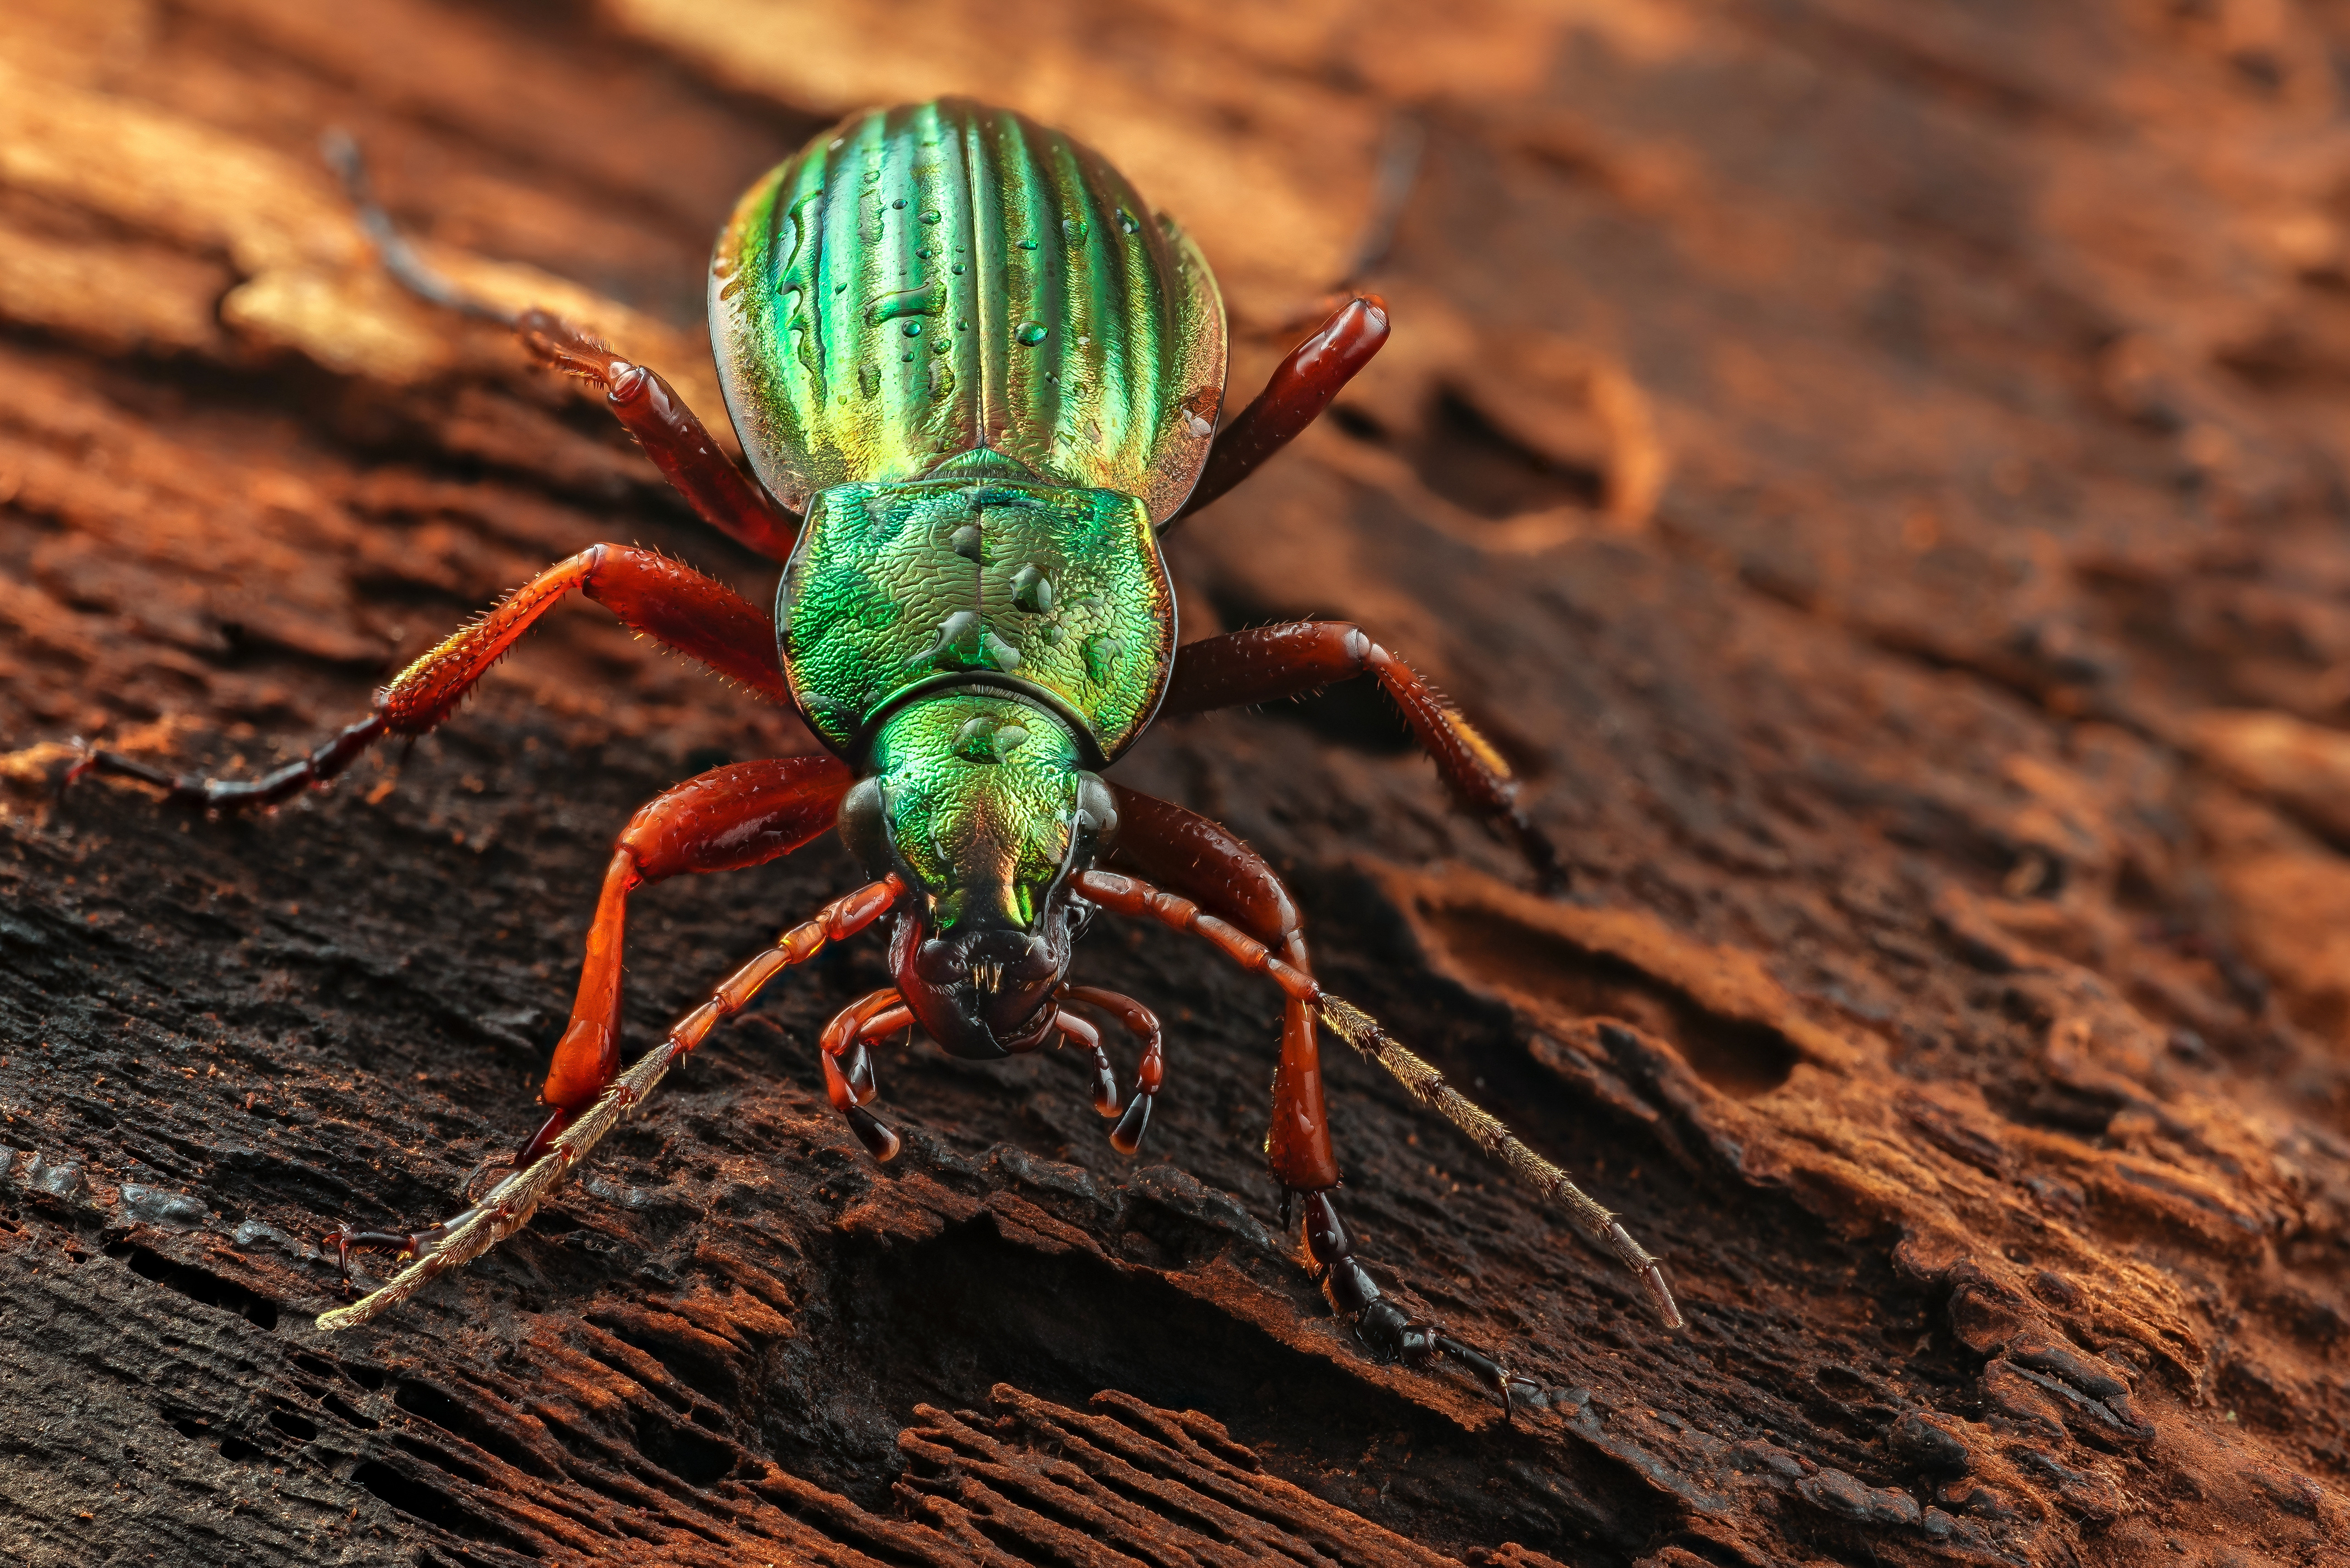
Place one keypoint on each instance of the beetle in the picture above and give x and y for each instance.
(976, 380)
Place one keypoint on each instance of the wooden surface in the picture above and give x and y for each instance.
(1881, 468)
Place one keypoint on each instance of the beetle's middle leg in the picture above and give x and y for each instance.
(665, 599)
(1242, 669)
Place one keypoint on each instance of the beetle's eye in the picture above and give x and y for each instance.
(864, 828)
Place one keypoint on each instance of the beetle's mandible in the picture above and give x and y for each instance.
(976, 378)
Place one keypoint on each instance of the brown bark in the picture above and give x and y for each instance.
(1880, 468)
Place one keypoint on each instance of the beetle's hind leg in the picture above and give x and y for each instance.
(1301, 387)
(648, 405)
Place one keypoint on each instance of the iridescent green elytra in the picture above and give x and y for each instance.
(986, 371)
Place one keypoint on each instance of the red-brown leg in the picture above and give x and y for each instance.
(1148, 1074)
(848, 1079)
(678, 443)
(671, 603)
(646, 404)
(742, 814)
(1301, 387)
(1242, 669)
(1087, 1039)
(1185, 851)
(508, 1206)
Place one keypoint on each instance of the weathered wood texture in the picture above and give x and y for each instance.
(1881, 466)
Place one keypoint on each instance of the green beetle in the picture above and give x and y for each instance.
(958, 342)
(976, 380)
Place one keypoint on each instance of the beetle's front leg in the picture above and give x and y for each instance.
(734, 817)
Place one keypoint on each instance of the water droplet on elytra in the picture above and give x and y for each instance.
(899, 205)
(930, 217)
(975, 741)
(1027, 244)
(908, 357)
(1102, 654)
(1030, 332)
(912, 329)
(1031, 590)
(958, 266)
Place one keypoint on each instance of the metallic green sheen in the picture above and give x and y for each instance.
(979, 792)
(934, 279)
(1056, 594)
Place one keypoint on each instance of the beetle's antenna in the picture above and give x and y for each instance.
(509, 1205)
(1400, 153)
(1427, 1085)
(341, 151)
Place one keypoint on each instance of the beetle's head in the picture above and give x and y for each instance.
(980, 803)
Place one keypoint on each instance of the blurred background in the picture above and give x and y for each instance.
(1881, 470)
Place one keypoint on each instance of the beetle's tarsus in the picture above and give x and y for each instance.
(1127, 1137)
(196, 792)
(1385, 1329)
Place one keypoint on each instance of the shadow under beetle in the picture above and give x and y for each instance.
(977, 378)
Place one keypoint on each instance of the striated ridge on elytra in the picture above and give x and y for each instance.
(927, 280)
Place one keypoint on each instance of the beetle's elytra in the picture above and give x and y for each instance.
(946, 280)
(975, 378)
